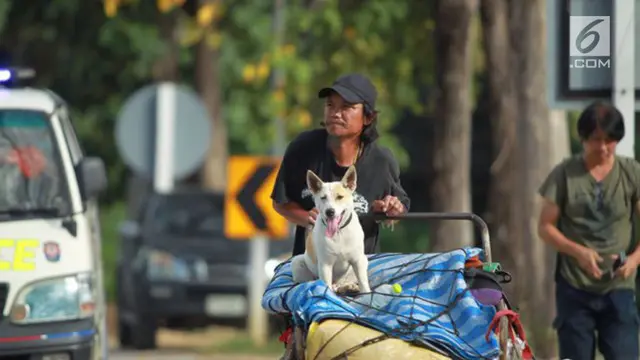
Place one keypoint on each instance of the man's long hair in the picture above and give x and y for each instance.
(370, 132)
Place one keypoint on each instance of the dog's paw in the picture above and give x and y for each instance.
(352, 287)
(348, 288)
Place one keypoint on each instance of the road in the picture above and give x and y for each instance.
(176, 345)
(179, 345)
(177, 355)
(165, 354)
(160, 354)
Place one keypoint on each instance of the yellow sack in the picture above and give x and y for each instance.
(354, 334)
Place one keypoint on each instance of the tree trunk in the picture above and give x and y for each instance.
(533, 153)
(166, 67)
(451, 191)
(214, 172)
(505, 230)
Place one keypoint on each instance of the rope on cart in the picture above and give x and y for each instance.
(410, 324)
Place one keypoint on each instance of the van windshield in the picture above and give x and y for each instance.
(31, 172)
(189, 215)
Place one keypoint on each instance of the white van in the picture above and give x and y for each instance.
(51, 288)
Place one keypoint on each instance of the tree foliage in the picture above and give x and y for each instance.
(95, 55)
(324, 39)
(322, 42)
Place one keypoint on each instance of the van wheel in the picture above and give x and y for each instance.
(124, 335)
(143, 334)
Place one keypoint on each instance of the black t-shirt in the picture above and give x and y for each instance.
(378, 176)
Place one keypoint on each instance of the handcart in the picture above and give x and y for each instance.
(438, 314)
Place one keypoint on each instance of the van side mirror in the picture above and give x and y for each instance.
(92, 177)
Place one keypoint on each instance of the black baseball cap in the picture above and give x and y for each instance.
(354, 88)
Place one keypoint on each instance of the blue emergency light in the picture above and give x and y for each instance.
(5, 75)
(12, 76)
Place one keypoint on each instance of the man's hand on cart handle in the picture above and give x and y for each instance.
(313, 214)
(390, 205)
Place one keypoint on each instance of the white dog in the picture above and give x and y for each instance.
(334, 249)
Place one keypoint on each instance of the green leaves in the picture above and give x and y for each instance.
(374, 37)
(380, 38)
(95, 61)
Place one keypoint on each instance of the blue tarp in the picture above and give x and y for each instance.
(434, 306)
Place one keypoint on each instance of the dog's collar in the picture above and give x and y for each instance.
(344, 225)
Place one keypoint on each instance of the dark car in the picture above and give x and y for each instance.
(176, 268)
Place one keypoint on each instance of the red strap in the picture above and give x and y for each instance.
(473, 262)
(514, 321)
(495, 323)
(527, 354)
(286, 336)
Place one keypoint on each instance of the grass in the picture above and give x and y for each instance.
(110, 218)
(242, 344)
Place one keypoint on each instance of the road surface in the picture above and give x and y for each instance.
(160, 354)
(164, 354)
(176, 345)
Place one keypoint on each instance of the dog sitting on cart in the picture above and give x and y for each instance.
(446, 305)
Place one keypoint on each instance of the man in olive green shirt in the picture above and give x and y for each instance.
(589, 203)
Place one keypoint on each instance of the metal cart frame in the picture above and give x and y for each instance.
(299, 333)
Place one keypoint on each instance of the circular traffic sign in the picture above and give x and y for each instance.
(135, 131)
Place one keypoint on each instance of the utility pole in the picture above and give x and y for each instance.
(259, 252)
(623, 71)
(277, 78)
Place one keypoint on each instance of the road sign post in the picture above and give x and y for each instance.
(258, 321)
(249, 215)
(165, 125)
(624, 71)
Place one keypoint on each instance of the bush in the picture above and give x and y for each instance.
(110, 218)
(405, 237)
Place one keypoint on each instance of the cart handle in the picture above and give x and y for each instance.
(477, 220)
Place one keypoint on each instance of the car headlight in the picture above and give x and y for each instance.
(58, 299)
(162, 265)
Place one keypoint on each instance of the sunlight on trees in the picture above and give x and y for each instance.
(320, 44)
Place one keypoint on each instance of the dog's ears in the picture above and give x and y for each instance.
(349, 180)
(314, 183)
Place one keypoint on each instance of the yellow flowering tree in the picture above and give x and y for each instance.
(389, 41)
